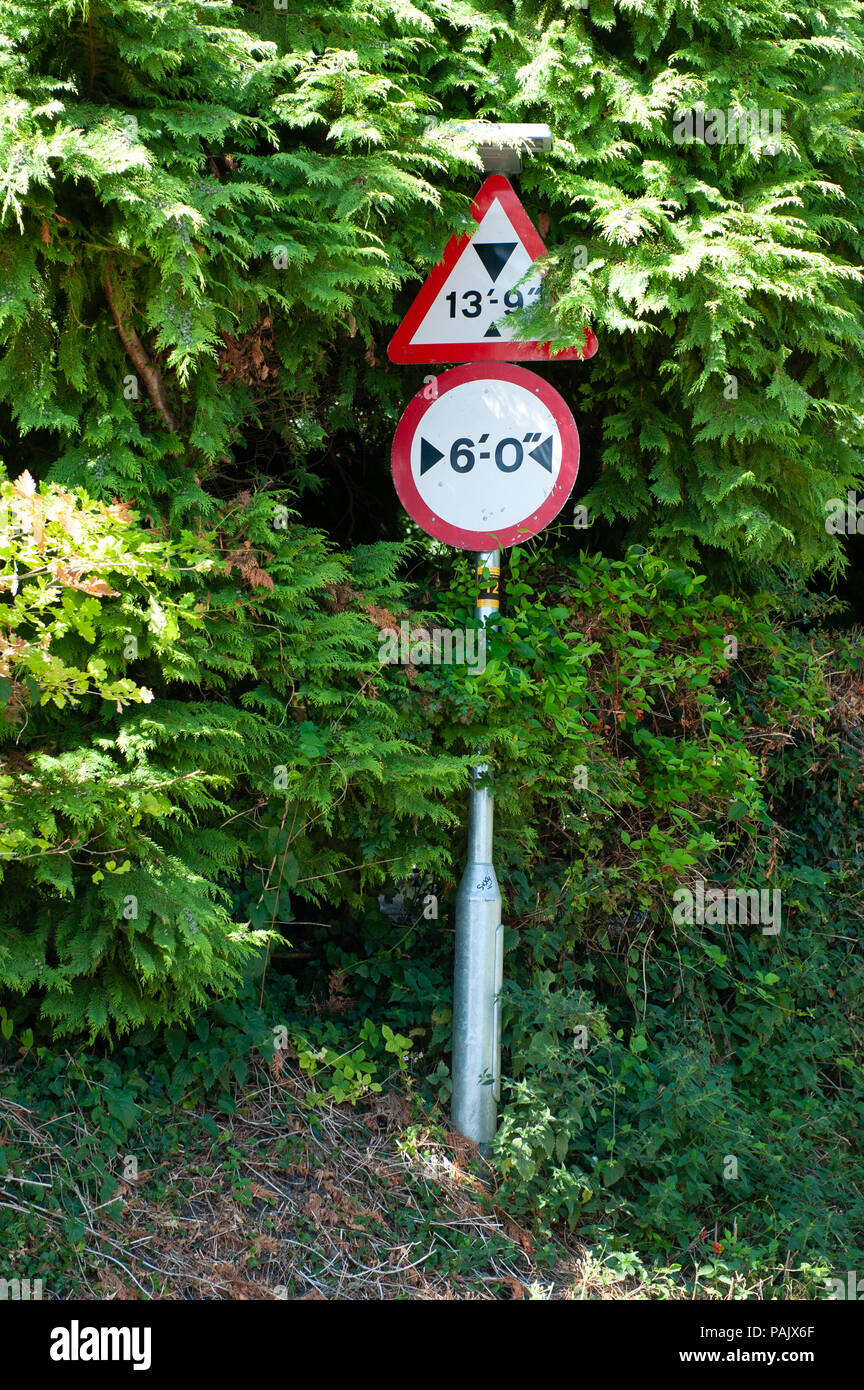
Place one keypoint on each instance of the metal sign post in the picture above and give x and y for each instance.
(486, 460)
(484, 457)
(479, 969)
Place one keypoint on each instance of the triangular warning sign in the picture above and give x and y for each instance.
(461, 314)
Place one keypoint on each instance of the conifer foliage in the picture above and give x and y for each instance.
(131, 805)
(210, 210)
(212, 214)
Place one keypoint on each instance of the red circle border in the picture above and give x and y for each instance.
(457, 536)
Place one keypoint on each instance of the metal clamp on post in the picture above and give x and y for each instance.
(487, 579)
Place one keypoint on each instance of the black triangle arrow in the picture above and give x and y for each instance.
(491, 332)
(429, 456)
(543, 454)
(495, 255)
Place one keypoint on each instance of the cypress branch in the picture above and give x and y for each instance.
(136, 353)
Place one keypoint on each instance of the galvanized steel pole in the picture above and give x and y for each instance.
(479, 968)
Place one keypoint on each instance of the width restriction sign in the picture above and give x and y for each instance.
(462, 312)
(489, 460)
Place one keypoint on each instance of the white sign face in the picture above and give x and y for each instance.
(486, 455)
(480, 292)
(489, 460)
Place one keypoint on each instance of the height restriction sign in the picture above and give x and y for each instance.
(464, 309)
(488, 460)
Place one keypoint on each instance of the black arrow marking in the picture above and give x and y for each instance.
(491, 332)
(495, 255)
(429, 456)
(543, 454)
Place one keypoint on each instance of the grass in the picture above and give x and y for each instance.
(286, 1199)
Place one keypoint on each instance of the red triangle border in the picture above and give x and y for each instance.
(402, 350)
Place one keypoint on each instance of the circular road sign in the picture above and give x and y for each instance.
(485, 456)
